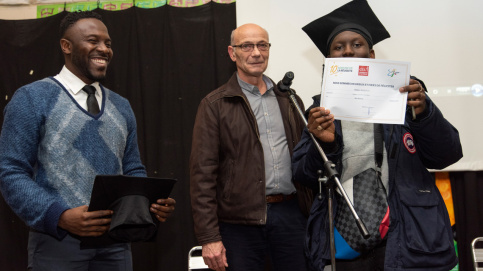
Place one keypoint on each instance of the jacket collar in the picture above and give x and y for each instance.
(234, 89)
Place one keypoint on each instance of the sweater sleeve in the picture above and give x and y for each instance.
(131, 162)
(19, 143)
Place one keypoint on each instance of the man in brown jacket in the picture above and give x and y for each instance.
(246, 208)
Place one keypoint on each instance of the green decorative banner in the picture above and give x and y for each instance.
(49, 10)
(52, 9)
(150, 3)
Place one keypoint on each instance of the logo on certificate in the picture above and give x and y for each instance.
(335, 69)
(363, 70)
(392, 72)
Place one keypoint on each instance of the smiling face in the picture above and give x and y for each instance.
(87, 49)
(249, 64)
(350, 44)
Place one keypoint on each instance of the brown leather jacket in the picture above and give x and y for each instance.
(227, 170)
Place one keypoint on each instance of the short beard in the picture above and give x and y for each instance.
(83, 68)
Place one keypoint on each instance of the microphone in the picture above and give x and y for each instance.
(286, 82)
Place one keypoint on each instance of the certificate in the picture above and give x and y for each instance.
(365, 89)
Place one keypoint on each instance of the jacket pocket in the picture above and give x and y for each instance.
(227, 177)
(423, 220)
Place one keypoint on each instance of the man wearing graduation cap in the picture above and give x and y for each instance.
(391, 189)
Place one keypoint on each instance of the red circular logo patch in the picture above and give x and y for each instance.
(409, 143)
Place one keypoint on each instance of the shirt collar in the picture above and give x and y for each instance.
(254, 89)
(72, 82)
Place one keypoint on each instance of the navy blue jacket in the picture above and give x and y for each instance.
(420, 235)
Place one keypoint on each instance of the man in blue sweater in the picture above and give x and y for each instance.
(56, 137)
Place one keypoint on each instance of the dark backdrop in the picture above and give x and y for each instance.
(467, 190)
(165, 61)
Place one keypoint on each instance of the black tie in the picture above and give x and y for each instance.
(92, 105)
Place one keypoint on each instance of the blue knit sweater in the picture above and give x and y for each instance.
(51, 149)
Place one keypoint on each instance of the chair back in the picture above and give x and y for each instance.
(477, 252)
(195, 260)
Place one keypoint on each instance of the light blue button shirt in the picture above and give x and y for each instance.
(278, 163)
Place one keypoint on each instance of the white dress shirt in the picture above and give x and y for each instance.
(74, 85)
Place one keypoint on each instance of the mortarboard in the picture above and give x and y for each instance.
(130, 198)
(355, 16)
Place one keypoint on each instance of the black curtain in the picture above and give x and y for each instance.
(467, 190)
(165, 61)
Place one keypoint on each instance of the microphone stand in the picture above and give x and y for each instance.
(330, 176)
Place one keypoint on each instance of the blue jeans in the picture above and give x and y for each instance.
(49, 254)
(281, 240)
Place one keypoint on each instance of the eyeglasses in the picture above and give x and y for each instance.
(248, 47)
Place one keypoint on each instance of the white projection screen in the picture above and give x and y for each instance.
(442, 40)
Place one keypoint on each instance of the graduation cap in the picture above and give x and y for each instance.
(130, 198)
(356, 16)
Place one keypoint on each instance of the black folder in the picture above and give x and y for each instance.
(130, 198)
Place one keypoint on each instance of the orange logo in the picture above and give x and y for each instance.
(333, 69)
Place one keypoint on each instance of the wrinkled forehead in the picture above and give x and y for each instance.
(250, 34)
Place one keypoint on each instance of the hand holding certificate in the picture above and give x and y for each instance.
(365, 89)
